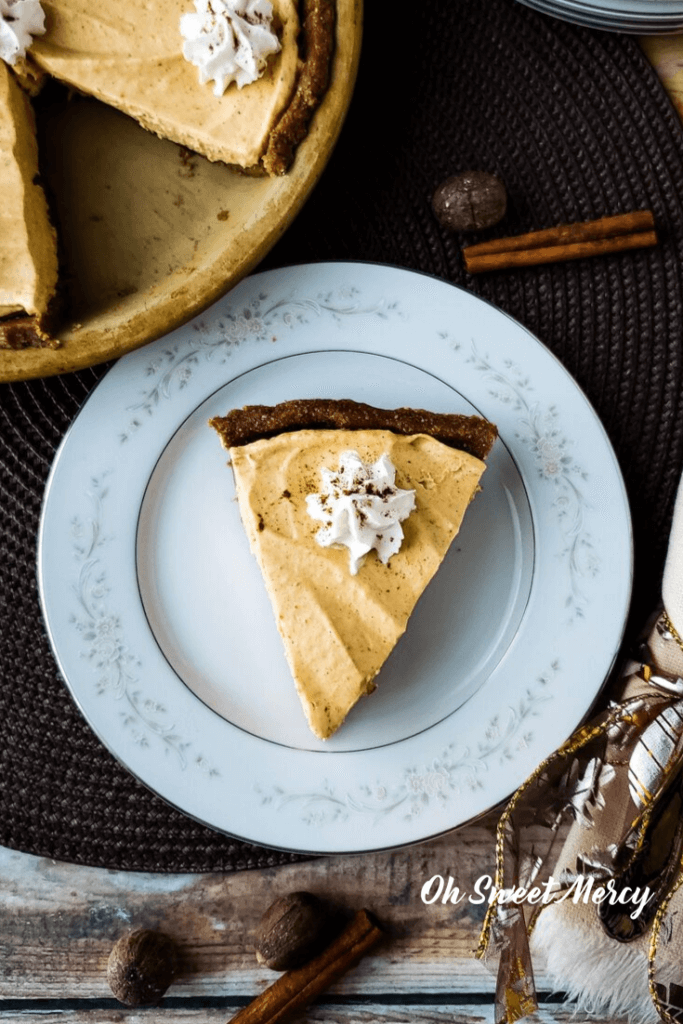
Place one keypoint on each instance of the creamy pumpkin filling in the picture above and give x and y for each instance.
(28, 254)
(338, 628)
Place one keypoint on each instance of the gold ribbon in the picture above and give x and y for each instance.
(618, 783)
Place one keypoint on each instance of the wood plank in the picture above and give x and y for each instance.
(59, 921)
(328, 1013)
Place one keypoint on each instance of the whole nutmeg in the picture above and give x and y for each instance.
(470, 201)
(292, 931)
(141, 966)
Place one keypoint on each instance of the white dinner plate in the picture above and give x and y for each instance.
(160, 621)
(644, 17)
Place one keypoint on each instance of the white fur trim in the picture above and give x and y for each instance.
(602, 976)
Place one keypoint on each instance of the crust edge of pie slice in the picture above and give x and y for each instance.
(337, 628)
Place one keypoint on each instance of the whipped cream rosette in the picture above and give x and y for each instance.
(229, 41)
(361, 508)
(20, 21)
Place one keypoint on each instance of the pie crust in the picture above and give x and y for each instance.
(471, 434)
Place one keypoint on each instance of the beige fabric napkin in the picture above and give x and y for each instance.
(605, 810)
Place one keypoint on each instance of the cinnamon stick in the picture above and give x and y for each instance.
(564, 242)
(295, 990)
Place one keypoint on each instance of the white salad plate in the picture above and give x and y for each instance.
(159, 617)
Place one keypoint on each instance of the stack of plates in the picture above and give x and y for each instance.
(645, 17)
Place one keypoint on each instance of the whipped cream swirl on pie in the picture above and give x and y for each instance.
(229, 40)
(361, 508)
(20, 21)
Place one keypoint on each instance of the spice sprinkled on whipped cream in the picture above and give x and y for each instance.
(361, 508)
(20, 20)
(228, 40)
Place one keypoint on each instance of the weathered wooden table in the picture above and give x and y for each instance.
(58, 923)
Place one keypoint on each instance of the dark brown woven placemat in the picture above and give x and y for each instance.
(577, 125)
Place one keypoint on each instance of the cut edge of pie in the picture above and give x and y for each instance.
(28, 257)
(338, 629)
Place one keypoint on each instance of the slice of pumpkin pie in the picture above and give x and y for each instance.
(349, 511)
(233, 80)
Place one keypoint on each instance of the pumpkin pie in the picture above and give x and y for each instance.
(338, 628)
(131, 58)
